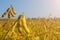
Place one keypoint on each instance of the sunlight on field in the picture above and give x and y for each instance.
(23, 28)
(41, 29)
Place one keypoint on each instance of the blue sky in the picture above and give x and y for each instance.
(33, 8)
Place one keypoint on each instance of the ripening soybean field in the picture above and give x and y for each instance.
(41, 29)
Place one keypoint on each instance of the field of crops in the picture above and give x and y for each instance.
(41, 29)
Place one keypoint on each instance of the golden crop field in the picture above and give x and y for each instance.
(28, 28)
(40, 29)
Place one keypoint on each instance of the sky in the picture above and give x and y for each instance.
(32, 8)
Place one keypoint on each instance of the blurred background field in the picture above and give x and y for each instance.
(42, 21)
(41, 29)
